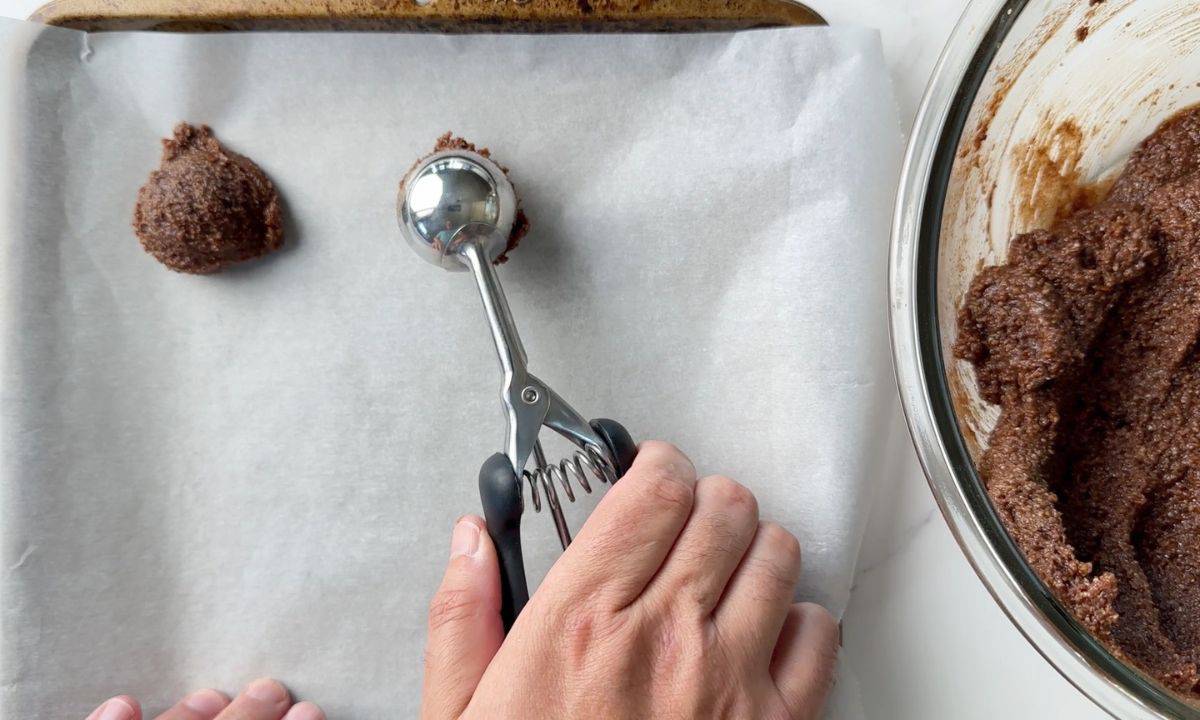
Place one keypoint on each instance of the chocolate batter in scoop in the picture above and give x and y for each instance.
(1088, 339)
(206, 207)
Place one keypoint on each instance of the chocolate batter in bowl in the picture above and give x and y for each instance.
(1088, 338)
(1044, 325)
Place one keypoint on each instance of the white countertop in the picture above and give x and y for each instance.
(923, 636)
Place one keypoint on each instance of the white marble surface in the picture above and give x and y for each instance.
(925, 639)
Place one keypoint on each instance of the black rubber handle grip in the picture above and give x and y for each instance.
(501, 495)
(500, 492)
(619, 442)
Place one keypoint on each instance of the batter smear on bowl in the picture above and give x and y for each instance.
(1088, 338)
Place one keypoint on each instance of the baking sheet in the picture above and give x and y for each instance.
(208, 479)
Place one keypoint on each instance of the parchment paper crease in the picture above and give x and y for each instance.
(208, 479)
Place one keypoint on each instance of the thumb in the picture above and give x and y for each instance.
(464, 622)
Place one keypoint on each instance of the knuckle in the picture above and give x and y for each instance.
(584, 630)
(450, 606)
(824, 625)
(720, 535)
(669, 643)
(813, 680)
(674, 639)
(782, 545)
(666, 488)
(691, 595)
(659, 448)
(731, 493)
(659, 453)
(701, 601)
(775, 582)
(775, 567)
(818, 675)
(719, 526)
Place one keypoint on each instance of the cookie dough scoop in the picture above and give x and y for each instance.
(456, 210)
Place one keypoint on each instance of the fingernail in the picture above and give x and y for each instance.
(267, 690)
(115, 709)
(465, 540)
(206, 702)
(304, 711)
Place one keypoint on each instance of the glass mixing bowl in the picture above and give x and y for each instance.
(1028, 101)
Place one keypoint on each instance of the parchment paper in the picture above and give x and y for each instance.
(209, 479)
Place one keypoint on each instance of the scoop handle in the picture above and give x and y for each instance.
(501, 495)
(500, 492)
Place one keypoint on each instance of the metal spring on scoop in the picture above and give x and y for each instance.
(588, 461)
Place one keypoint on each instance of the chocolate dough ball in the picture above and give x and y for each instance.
(206, 207)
